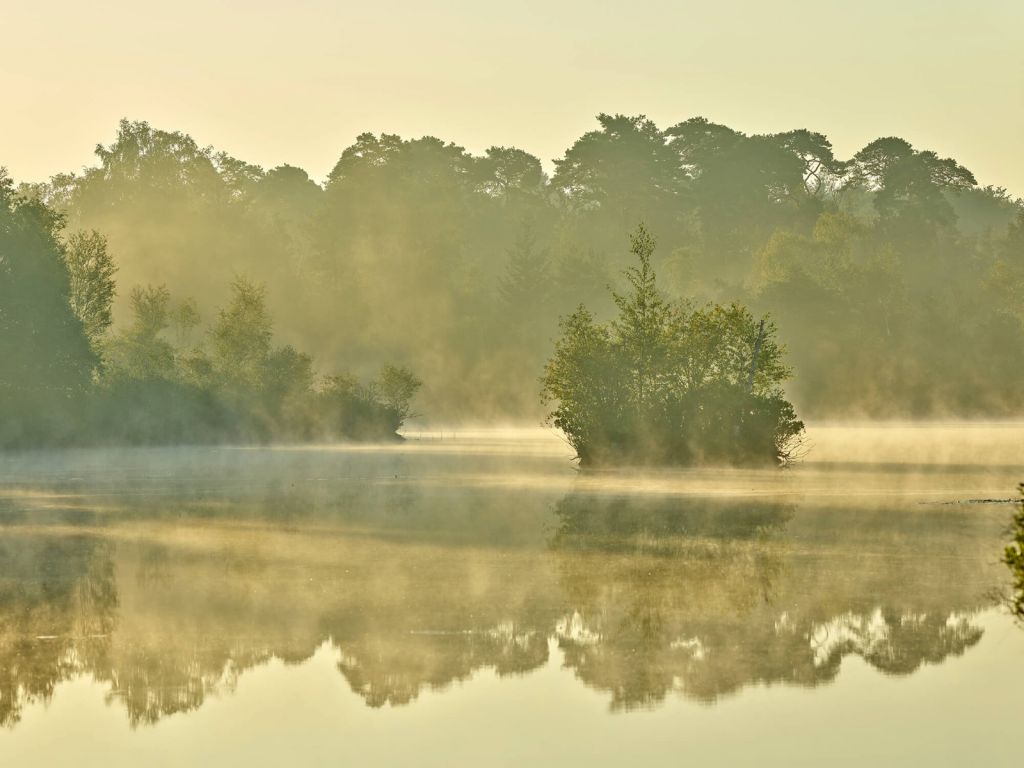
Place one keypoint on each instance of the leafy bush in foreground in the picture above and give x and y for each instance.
(1013, 556)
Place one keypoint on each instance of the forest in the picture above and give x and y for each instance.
(68, 379)
(893, 277)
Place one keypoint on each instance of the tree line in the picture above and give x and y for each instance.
(894, 278)
(69, 378)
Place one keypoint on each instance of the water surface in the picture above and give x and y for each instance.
(472, 598)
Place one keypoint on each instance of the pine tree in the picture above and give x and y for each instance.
(644, 320)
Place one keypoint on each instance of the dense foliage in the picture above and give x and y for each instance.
(1014, 559)
(669, 383)
(894, 278)
(66, 378)
(46, 360)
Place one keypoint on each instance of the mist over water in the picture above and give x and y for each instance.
(685, 434)
(157, 594)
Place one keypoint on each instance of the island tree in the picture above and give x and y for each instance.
(668, 382)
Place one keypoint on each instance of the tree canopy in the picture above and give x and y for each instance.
(894, 277)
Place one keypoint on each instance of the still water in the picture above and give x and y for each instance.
(470, 598)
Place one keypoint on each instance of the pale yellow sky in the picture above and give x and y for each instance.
(275, 82)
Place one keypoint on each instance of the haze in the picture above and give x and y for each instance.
(276, 83)
(539, 383)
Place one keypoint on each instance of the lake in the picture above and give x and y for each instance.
(469, 597)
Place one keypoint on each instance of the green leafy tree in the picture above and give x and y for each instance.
(396, 387)
(664, 383)
(91, 270)
(354, 410)
(643, 327)
(140, 351)
(241, 337)
(583, 381)
(46, 360)
(822, 171)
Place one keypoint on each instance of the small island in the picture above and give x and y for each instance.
(670, 383)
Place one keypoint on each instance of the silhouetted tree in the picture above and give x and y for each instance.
(91, 270)
(621, 172)
(45, 352)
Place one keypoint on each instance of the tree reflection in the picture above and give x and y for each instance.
(392, 669)
(704, 597)
(58, 607)
(169, 600)
(1013, 556)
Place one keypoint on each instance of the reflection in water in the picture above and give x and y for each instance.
(656, 584)
(168, 586)
(58, 606)
(704, 598)
(393, 670)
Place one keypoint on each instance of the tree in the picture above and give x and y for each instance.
(582, 380)
(822, 172)
(241, 337)
(352, 410)
(395, 387)
(744, 192)
(642, 329)
(91, 270)
(664, 383)
(506, 171)
(872, 163)
(697, 141)
(140, 352)
(526, 284)
(165, 204)
(910, 185)
(620, 171)
(151, 309)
